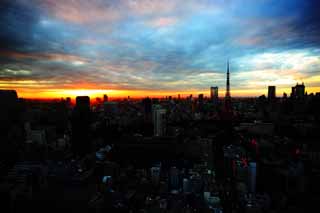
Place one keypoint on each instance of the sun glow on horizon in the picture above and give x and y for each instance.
(113, 93)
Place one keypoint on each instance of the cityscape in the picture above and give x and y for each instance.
(121, 106)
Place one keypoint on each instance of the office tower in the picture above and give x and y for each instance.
(8, 104)
(159, 120)
(105, 98)
(147, 108)
(271, 92)
(9, 108)
(83, 102)
(300, 90)
(147, 113)
(214, 93)
(68, 102)
(293, 92)
(200, 97)
(80, 121)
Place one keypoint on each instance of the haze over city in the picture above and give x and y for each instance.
(57, 48)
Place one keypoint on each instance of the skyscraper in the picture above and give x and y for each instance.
(9, 115)
(80, 121)
(298, 91)
(105, 98)
(159, 120)
(214, 93)
(271, 92)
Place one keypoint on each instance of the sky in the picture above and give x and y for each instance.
(60, 48)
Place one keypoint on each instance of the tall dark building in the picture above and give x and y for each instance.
(200, 102)
(147, 109)
(228, 95)
(298, 91)
(8, 109)
(271, 92)
(11, 127)
(8, 104)
(81, 117)
(214, 93)
(147, 105)
(105, 98)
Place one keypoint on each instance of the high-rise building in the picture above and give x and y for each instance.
(298, 91)
(83, 102)
(159, 120)
(8, 104)
(200, 103)
(105, 98)
(214, 93)
(9, 115)
(80, 121)
(200, 98)
(271, 92)
(147, 113)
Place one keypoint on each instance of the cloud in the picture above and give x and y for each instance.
(162, 22)
(154, 45)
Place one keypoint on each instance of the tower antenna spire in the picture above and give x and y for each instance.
(228, 82)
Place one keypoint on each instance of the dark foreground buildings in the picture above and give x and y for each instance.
(80, 122)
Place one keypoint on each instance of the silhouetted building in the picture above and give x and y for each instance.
(147, 105)
(8, 102)
(68, 102)
(298, 91)
(8, 110)
(81, 117)
(105, 98)
(83, 102)
(214, 93)
(147, 114)
(200, 103)
(285, 95)
(271, 92)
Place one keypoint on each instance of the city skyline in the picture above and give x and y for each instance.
(53, 49)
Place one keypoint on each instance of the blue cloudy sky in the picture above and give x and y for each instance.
(158, 46)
